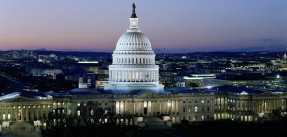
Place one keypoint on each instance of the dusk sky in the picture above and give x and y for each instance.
(171, 25)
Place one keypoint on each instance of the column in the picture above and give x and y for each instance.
(42, 114)
(149, 76)
(159, 107)
(111, 75)
(166, 106)
(12, 113)
(154, 76)
(135, 76)
(139, 76)
(142, 107)
(27, 113)
(123, 76)
(144, 75)
(134, 108)
(37, 113)
(172, 105)
(22, 117)
(176, 106)
(23, 113)
(117, 75)
(151, 107)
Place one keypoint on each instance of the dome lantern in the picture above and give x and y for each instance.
(134, 18)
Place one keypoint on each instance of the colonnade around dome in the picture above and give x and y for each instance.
(133, 76)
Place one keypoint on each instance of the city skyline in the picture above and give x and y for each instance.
(184, 26)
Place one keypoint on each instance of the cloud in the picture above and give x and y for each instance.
(41, 49)
(266, 40)
(262, 48)
(65, 49)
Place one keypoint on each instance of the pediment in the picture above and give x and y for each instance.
(20, 99)
(149, 94)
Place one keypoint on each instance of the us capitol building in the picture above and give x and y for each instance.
(134, 88)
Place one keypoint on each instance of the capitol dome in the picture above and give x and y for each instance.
(133, 41)
(133, 66)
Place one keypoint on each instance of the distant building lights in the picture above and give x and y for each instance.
(278, 76)
(88, 62)
(243, 93)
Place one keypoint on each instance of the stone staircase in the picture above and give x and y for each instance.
(155, 123)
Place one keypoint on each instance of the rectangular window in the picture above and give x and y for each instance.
(78, 113)
(195, 109)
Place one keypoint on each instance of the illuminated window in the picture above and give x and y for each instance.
(202, 101)
(78, 113)
(8, 116)
(79, 104)
(195, 109)
(145, 104)
(4, 117)
(202, 117)
(117, 107)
